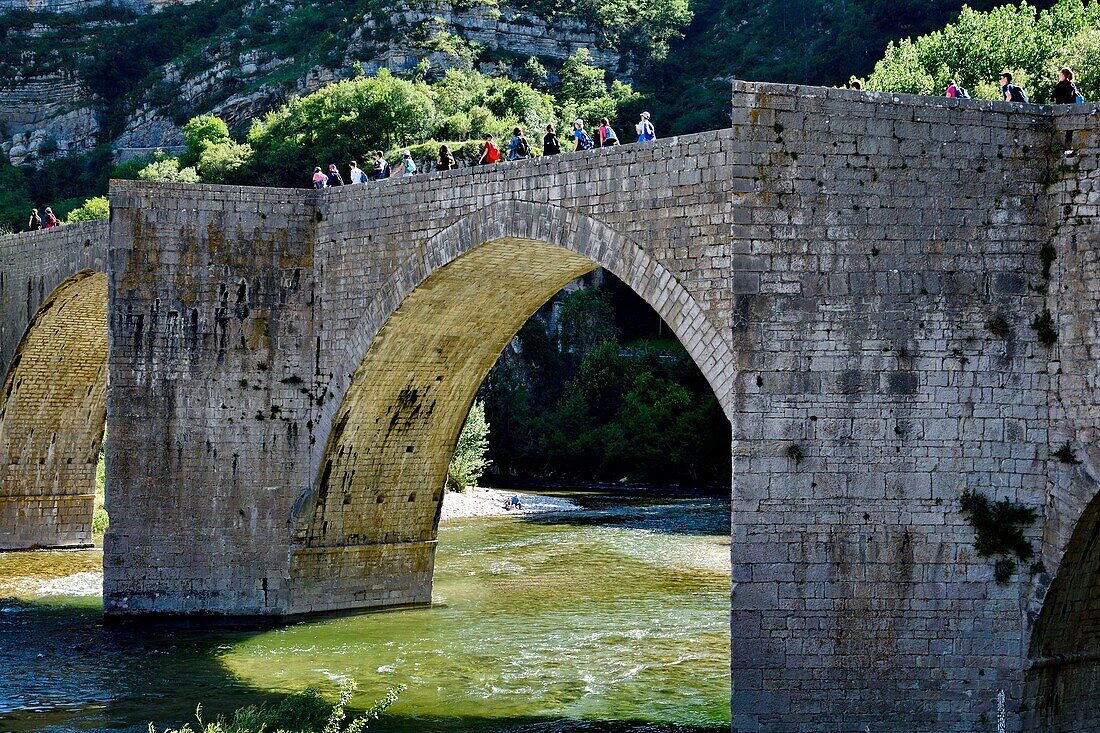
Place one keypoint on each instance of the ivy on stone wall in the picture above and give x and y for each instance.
(999, 526)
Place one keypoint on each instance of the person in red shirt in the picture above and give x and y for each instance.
(490, 152)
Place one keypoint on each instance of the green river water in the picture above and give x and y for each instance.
(614, 618)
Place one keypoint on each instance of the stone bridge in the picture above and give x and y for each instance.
(895, 300)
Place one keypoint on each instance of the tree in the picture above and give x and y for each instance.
(225, 162)
(91, 210)
(201, 132)
(15, 203)
(979, 45)
(167, 169)
(469, 461)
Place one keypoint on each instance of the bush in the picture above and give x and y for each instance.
(304, 712)
(168, 170)
(469, 462)
(226, 162)
(201, 132)
(91, 210)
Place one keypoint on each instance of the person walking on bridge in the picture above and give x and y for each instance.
(645, 130)
(380, 169)
(581, 141)
(1012, 92)
(35, 222)
(1065, 91)
(51, 220)
(607, 134)
(446, 160)
(334, 177)
(518, 148)
(356, 174)
(490, 153)
(320, 180)
(550, 143)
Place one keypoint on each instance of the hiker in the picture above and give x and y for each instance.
(490, 153)
(35, 222)
(518, 148)
(356, 174)
(50, 221)
(607, 135)
(320, 180)
(550, 143)
(380, 169)
(1065, 91)
(446, 160)
(1012, 93)
(954, 91)
(408, 165)
(334, 177)
(580, 137)
(644, 128)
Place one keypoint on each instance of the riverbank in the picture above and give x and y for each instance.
(479, 502)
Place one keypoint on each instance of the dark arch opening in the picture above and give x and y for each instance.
(52, 416)
(1063, 679)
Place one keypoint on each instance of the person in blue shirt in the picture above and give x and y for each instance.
(580, 138)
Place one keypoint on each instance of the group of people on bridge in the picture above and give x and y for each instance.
(1065, 91)
(519, 148)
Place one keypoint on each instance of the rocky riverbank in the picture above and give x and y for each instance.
(478, 502)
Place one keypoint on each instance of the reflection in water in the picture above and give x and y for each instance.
(566, 622)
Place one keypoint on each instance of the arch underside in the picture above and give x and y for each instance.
(368, 535)
(1063, 683)
(52, 413)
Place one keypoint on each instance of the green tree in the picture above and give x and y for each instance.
(469, 461)
(167, 169)
(200, 133)
(94, 208)
(979, 45)
(225, 162)
(15, 202)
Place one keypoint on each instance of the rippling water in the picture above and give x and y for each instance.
(614, 618)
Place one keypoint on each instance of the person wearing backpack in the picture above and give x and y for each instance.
(580, 137)
(334, 177)
(446, 160)
(356, 174)
(49, 221)
(490, 153)
(381, 169)
(518, 148)
(644, 128)
(1065, 91)
(1012, 92)
(408, 165)
(35, 222)
(550, 143)
(954, 91)
(607, 134)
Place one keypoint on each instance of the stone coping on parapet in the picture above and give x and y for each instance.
(799, 91)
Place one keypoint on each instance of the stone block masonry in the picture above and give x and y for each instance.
(894, 299)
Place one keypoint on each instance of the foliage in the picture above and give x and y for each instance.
(469, 461)
(999, 528)
(15, 203)
(91, 210)
(201, 132)
(979, 45)
(303, 712)
(100, 520)
(226, 162)
(578, 404)
(168, 170)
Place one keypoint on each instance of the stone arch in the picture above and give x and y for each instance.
(52, 415)
(1063, 679)
(366, 532)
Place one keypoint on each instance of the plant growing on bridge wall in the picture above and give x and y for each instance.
(469, 461)
(999, 527)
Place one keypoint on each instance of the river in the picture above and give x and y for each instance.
(614, 618)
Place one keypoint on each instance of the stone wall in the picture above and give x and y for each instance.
(53, 352)
(857, 275)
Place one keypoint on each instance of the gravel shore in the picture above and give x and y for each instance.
(478, 502)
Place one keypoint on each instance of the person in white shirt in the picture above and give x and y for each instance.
(356, 174)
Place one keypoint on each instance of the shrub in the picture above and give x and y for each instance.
(168, 170)
(225, 162)
(91, 210)
(469, 462)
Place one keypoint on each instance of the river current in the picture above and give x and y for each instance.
(615, 618)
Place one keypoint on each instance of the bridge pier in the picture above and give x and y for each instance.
(863, 279)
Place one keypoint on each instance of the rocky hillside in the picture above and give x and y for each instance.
(77, 74)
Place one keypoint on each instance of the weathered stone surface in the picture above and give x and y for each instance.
(53, 345)
(855, 274)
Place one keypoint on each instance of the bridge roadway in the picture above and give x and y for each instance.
(894, 299)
